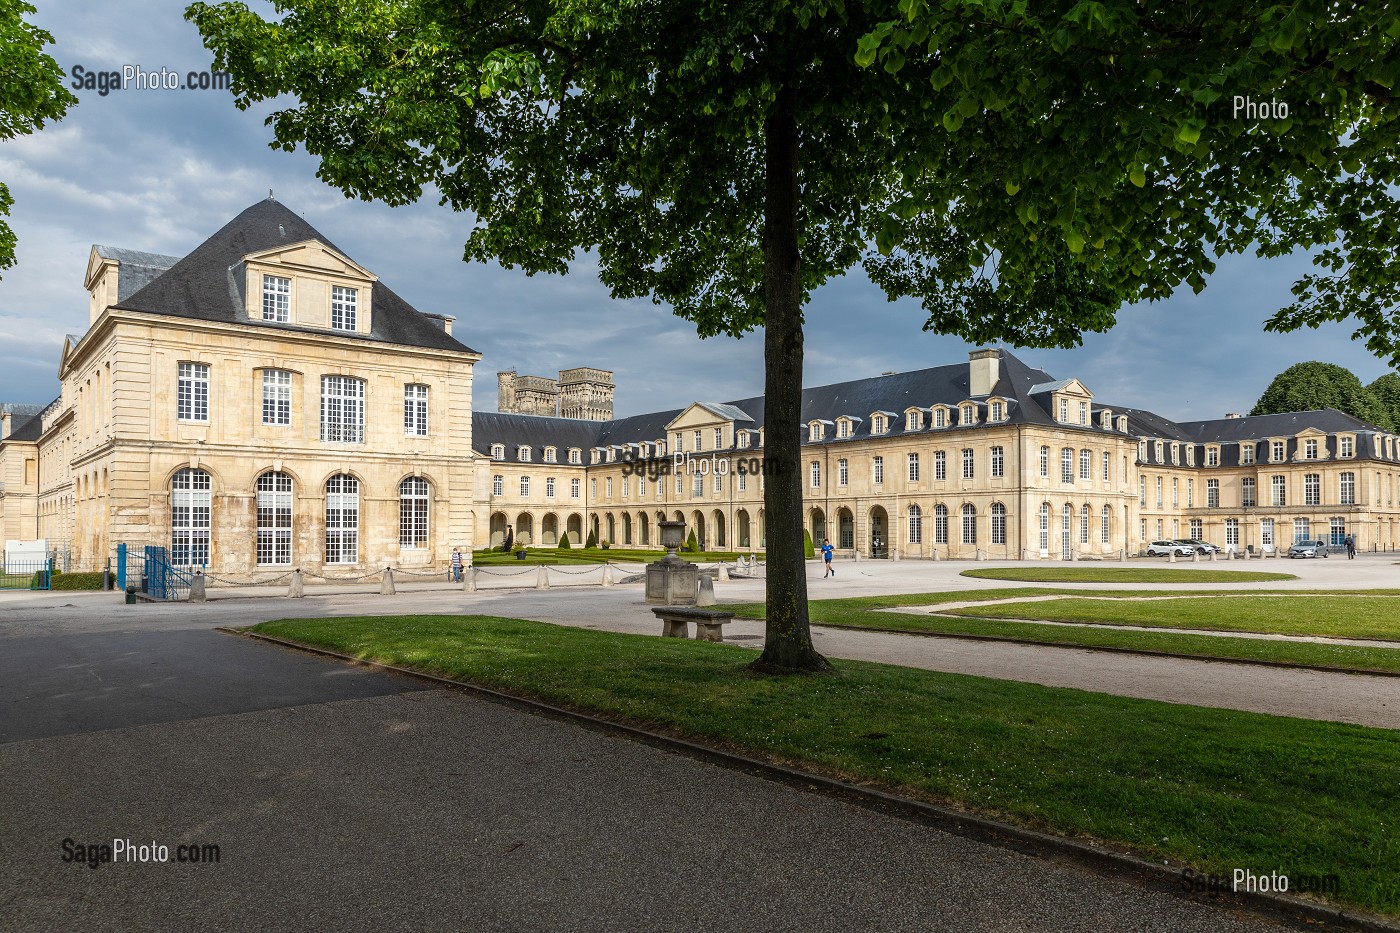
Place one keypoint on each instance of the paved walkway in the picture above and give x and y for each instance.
(346, 799)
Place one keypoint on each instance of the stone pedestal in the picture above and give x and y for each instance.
(672, 582)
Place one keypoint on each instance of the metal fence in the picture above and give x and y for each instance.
(26, 574)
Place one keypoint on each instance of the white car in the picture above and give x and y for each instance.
(1163, 548)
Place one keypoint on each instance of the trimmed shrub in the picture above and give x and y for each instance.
(75, 581)
(807, 550)
(564, 544)
(691, 544)
(592, 541)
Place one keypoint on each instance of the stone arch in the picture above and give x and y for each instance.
(549, 530)
(845, 529)
(879, 536)
(817, 525)
(524, 529)
(742, 532)
(573, 528)
(717, 526)
(497, 526)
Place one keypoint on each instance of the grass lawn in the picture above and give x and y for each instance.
(1215, 789)
(1343, 615)
(578, 555)
(1124, 575)
(859, 612)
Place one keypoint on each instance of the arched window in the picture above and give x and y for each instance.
(274, 519)
(1104, 530)
(916, 525)
(413, 513)
(342, 520)
(998, 523)
(191, 504)
(1045, 526)
(969, 524)
(1084, 524)
(940, 524)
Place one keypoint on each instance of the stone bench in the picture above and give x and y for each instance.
(709, 623)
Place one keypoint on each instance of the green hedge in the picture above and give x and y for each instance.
(75, 581)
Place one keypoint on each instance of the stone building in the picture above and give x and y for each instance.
(583, 393)
(261, 403)
(986, 458)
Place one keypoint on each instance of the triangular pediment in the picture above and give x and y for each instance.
(311, 256)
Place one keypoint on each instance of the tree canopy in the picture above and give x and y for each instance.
(1312, 386)
(727, 160)
(1386, 391)
(31, 92)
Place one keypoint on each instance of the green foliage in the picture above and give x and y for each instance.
(691, 543)
(807, 550)
(592, 541)
(31, 93)
(75, 581)
(1386, 391)
(1313, 386)
(564, 544)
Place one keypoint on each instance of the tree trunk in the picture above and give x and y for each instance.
(788, 644)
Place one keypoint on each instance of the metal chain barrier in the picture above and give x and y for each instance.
(210, 578)
(575, 573)
(498, 573)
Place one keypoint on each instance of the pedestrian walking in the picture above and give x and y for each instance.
(827, 551)
(456, 565)
(1351, 547)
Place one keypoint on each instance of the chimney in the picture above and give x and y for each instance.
(5, 424)
(447, 320)
(983, 371)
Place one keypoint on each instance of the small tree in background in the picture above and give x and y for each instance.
(592, 541)
(1313, 386)
(1386, 392)
(691, 544)
(807, 550)
(564, 544)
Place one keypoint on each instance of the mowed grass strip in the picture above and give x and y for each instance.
(1341, 615)
(1214, 789)
(1124, 575)
(542, 555)
(859, 613)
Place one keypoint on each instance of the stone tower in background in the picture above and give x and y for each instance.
(584, 393)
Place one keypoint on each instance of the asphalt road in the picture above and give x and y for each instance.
(345, 799)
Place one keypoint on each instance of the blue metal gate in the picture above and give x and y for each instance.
(34, 574)
(159, 580)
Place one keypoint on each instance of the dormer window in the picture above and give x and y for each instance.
(913, 419)
(277, 299)
(1176, 454)
(549, 455)
(575, 455)
(814, 431)
(1310, 449)
(743, 439)
(522, 454)
(344, 308)
(996, 411)
(1346, 446)
(968, 415)
(877, 424)
(1276, 451)
(1142, 451)
(940, 417)
(1084, 413)
(1247, 453)
(843, 428)
(1190, 454)
(612, 454)
(498, 451)
(1212, 456)
(1106, 420)
(1122, 422)
(1064, 411)
(1157, 451)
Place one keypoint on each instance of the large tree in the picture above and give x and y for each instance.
(1313, 386)
(1386, 391)
(727, 159)
(31, 92)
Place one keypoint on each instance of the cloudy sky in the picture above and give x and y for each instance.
(162, 170)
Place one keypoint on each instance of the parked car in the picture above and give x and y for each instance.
(1199, 546)
(1163, 548)
(1308, 549)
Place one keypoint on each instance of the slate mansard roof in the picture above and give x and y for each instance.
(26, 421)
(1025, 390)
(135, 269)
(202, 285)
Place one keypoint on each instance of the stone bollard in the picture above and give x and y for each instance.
(296, 587)
(935, 555)
(197, 588)
(469, 581)
(607, 575)
(542, 578)
(706, 596)
(1122, 555)
(1171, 557)
(1229, 554)
(723, 573)
(386, 583)
(1212, 557)
(1244, 555)
(980, 555)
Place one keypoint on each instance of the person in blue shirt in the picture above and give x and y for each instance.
(827, 551)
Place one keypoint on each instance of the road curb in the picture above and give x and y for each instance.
(1061, 850)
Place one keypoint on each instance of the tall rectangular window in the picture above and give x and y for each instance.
(1279, 486)
(1191, 494)
(549, 487)
(1232, 534)
(343, 409)
(1310, 449)
(699, 440)
(878, 471)
(1276, 451)
(1213, 493)
(1067, 464)
(1086, 464)
(276, 396)
(413, 512)
(1249, 496)
(1339, 532)
(998, 523)
(1345, 446)
(498, 485)
(968, 462)
(998, 461)
(1175, 485)
(343, 519)
(1045, 461)
(415, 410)
(1246, 454)
(1348, 489)
(1312, 489)
(1105, 466)
(344, 308)
(574, 488)
(607, 487)
(524, 487)
(719, 438)
(277, 299)
(697, 485)
(940, 464)
(274, 543)
(1159, 492)
(816, 474)
(913, 468)
(192, 394)
(1196, 529)
(1212, 456)
(843, 473)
